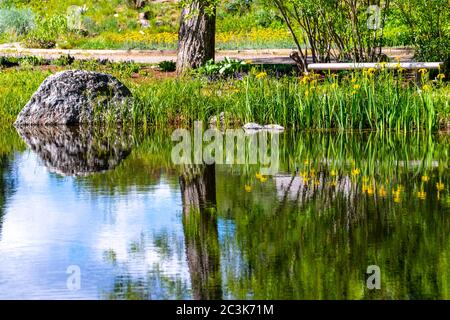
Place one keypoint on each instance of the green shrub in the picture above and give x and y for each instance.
(16, 21)
(7, 62)
(32, 61)
(39, 40)
(64, 60)
(167, 66)
(126, 68)
(222, 69)
(47, 33)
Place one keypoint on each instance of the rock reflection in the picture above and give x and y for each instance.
(77, 151)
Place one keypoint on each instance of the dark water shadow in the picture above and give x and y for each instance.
(78, 151)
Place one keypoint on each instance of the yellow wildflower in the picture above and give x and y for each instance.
(353, 80)
(307, 93)
(370, 191)
(440, 76)
(259, 176)
(425, 178)
(248, 188)
(356, 172)
(426, 88)
(440, 186)
(261, 75)
(333, 173)
(263, 179)
(423, 71)
(356, 87)
(334, 85)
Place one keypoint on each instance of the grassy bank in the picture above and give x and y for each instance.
(377, 100)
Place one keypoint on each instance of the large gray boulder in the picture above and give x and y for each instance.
(75, 96)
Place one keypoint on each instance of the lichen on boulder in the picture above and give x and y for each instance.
(76, 97)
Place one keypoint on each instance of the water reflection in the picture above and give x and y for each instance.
(5, 188)
(76, 151)
(147, 229)
(198, 189)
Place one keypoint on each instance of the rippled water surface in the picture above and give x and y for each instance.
(111, 203)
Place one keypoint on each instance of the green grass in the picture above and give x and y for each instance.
(380, 101)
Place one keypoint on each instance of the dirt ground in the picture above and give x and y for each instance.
(266, 56)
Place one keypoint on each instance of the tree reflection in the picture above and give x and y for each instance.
(198, 188)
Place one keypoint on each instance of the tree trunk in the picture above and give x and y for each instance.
(196, 38)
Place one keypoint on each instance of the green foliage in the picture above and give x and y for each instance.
(167, 66)
(16, 21)
(47, 33)
(238, 6)
(429, 27)
(126, 68)
(32, 61)
(379, 100)
(225, 68)
(64, 60)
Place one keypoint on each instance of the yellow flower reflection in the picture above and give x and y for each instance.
(422, 195)
(382, 192)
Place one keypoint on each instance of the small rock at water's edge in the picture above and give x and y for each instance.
(253, 126)
(273, 127)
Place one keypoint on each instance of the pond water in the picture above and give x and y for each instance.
(105, 214)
